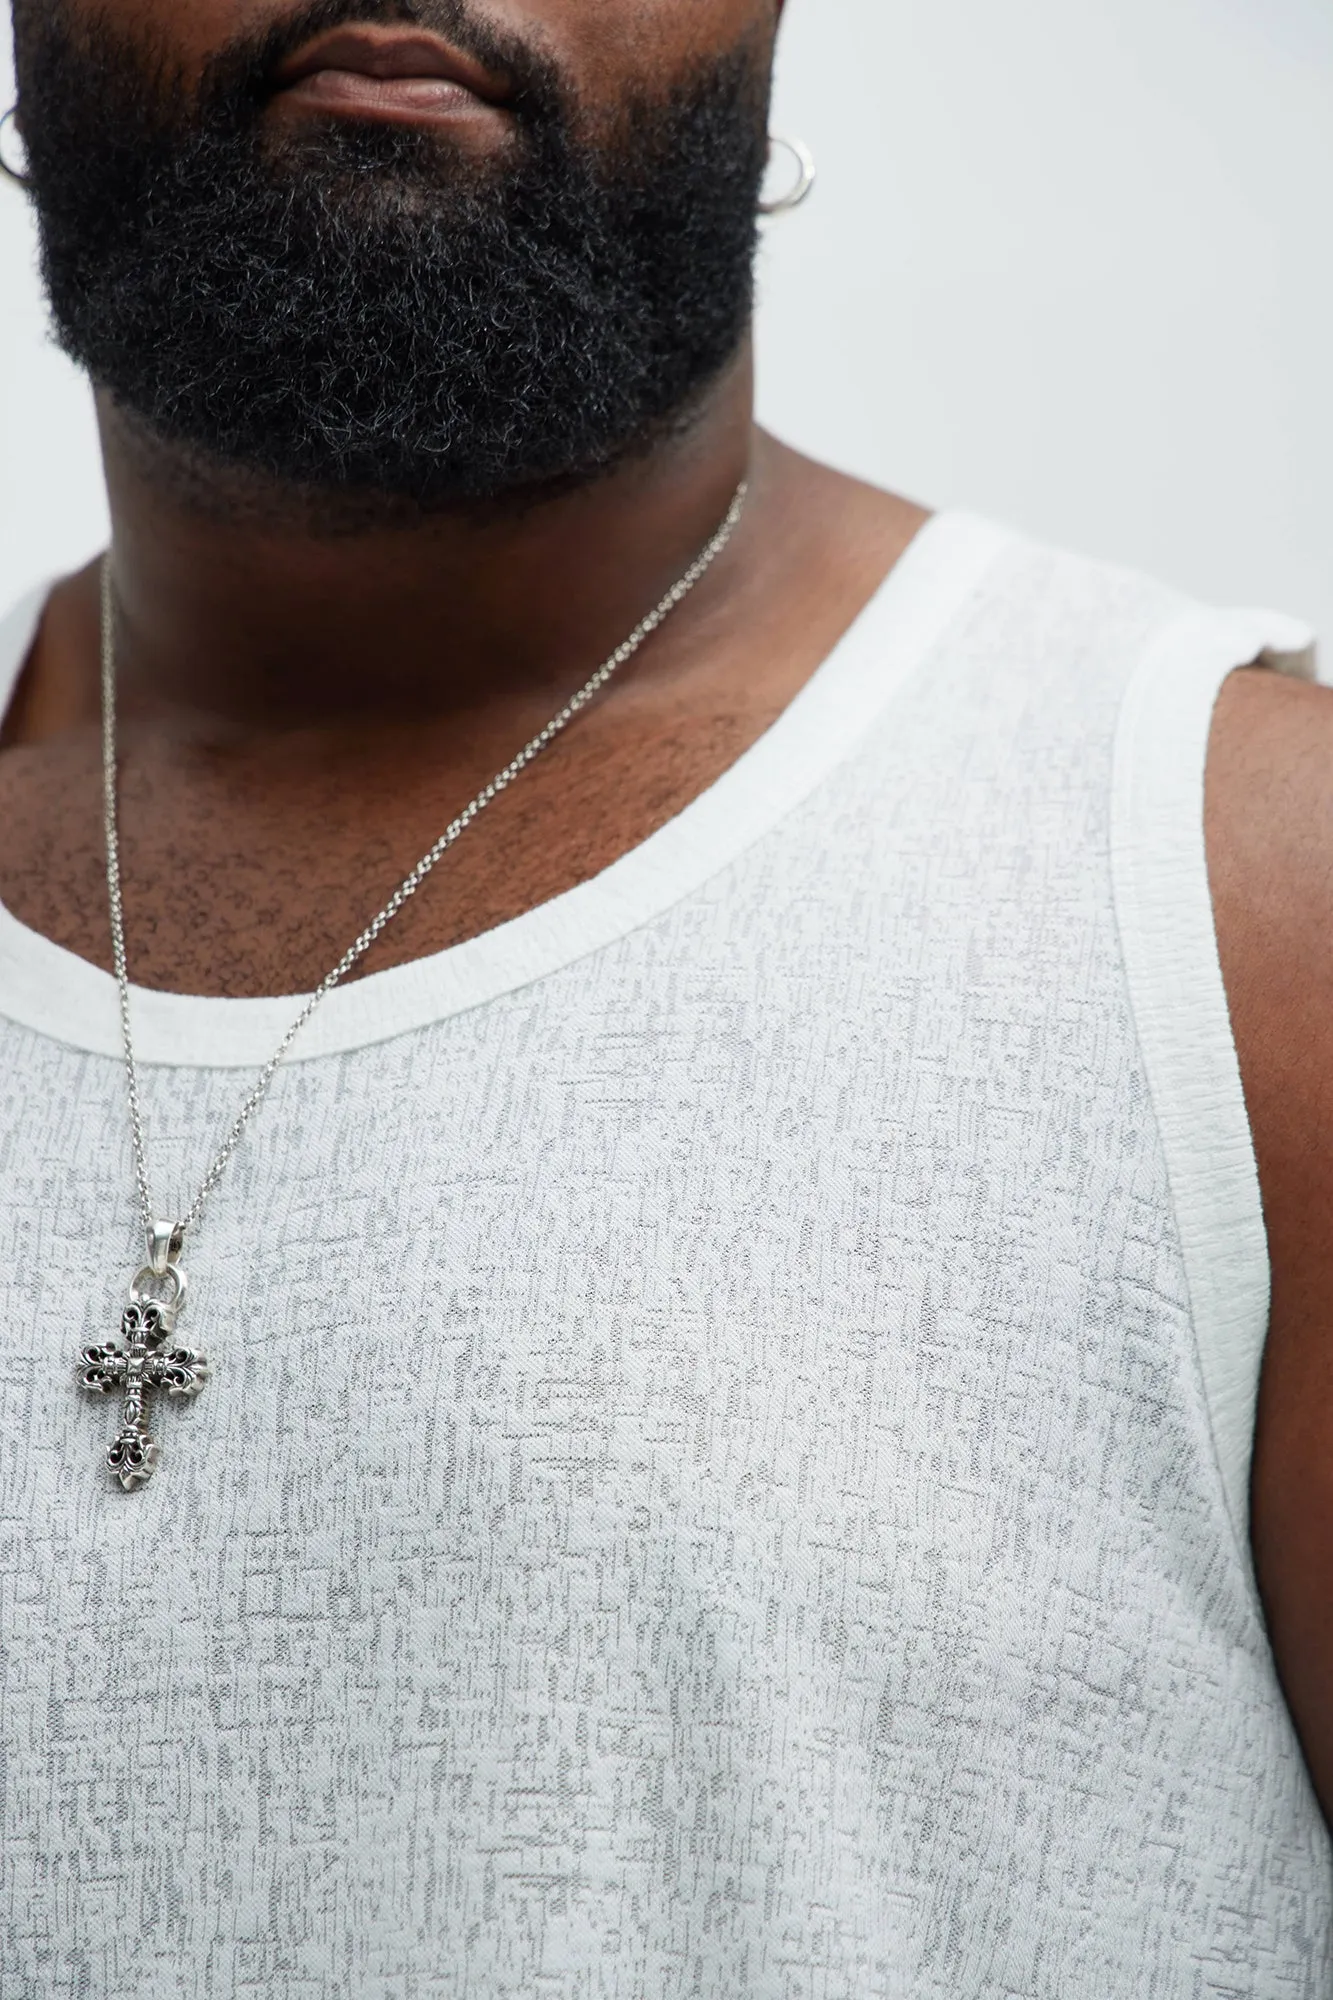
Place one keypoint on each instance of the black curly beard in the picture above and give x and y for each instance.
(356, 310)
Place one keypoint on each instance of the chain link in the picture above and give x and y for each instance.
(357, 950)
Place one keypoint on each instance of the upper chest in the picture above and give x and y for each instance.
(250, 874)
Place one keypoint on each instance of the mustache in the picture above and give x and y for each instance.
(247, 67)
(143, 77)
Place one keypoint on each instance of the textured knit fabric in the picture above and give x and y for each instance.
(717, 1480)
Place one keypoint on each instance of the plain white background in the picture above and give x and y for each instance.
(1068, 265)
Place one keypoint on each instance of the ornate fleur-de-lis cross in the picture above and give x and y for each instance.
(142, 1365)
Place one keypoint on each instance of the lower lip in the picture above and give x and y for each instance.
(393, 100)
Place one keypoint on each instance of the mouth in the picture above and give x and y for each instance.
(393, 76)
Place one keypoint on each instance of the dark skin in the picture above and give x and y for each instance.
(301, 716)
(1270, 850)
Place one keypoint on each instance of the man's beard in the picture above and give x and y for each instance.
(359, 310)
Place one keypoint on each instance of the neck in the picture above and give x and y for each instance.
(255, 613)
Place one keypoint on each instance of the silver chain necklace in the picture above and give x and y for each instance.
(148, 1360)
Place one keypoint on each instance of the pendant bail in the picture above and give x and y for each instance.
(166, 1240)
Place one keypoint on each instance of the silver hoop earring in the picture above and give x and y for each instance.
(15, 174)
(807, 175)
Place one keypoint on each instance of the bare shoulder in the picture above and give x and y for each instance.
(1269, 819)
(1270, 790)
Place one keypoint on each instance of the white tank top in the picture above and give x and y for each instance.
(725, 1468)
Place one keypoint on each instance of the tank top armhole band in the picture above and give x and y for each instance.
(1165, 917)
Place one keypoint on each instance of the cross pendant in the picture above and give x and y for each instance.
(144, 1363)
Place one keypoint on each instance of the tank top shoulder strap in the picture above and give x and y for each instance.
(1165, 917)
